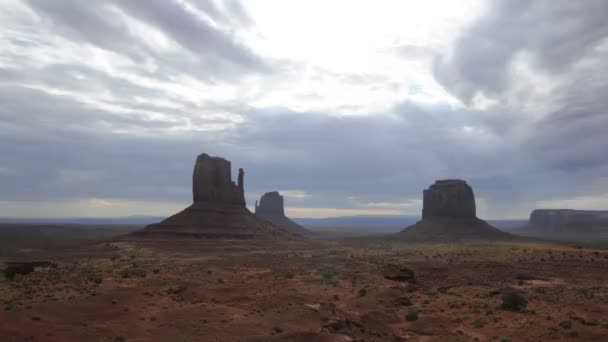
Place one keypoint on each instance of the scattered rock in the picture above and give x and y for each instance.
(412, 316)
(401, 274)
(314, 307)
(342, 325)
(24, 267)
(403, 301)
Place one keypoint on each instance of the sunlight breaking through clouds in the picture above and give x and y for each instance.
(354, 106)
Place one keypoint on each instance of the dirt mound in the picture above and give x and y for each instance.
(453, 229)
(213, 221)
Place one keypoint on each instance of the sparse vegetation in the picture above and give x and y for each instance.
(514, 301)
(479, 323)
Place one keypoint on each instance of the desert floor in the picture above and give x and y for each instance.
(318, 291)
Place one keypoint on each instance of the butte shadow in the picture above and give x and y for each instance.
(218, 210)
(449, 214)
(271, 208)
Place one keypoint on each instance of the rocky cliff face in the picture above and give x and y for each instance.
(565, 220)
(271, 203)
(218, 211)
(449, 214)
(212, 182)
(271, 208)
(450, 198)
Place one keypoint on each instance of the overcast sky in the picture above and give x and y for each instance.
(345, 107)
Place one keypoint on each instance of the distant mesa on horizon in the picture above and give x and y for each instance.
(568, 221)
(449, 213)
(271, 207)
(218, 210)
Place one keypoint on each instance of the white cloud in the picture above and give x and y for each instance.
(294, 193)
(347, 105)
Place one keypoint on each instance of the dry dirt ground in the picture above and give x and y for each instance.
(322, 291)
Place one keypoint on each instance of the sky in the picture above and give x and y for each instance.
(345, 107)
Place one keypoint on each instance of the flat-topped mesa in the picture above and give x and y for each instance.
(271, 203)
(212, 182)
(271, 208)
(568, 220)
(449, 199)
(448, 214)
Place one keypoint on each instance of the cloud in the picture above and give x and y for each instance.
(108, 103)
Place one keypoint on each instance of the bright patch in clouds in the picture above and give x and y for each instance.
(351, 107)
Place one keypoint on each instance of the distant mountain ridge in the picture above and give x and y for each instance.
(363, 221)
(128, 220)
(389, 221)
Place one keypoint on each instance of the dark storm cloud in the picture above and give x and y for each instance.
(219, 53)
(556, 33)
(566, 42)
(91, 21)
(73, 130)
(193, 33)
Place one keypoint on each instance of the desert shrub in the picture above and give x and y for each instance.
(411, 316)
(362, 292)
(514, 301)
(593, 322)
(565, 324)
(479, 323)
(328, 275)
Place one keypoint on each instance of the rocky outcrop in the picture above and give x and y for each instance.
(218, 211)
(449, 213)
(24, 267)
(271, 208)
(271, 203)
(212, 182)
(450, 198)
(568, 220)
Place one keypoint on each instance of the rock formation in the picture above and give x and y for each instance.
(450, 198)
(449, 213)
(568, 220)
(218, 210)
(271, 208)
(271, 203)
(212, 182)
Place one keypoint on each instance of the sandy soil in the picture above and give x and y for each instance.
(231, 291)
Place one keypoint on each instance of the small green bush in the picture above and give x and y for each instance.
(514, 301)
